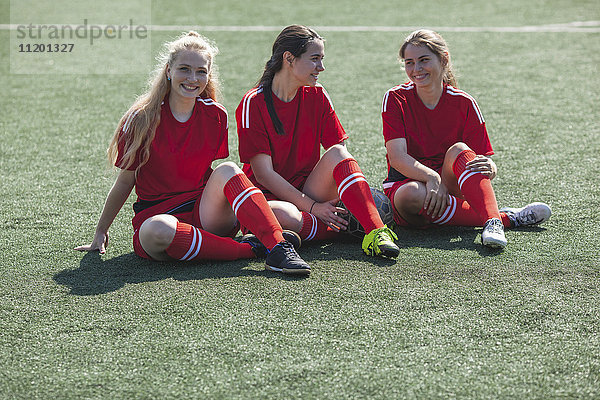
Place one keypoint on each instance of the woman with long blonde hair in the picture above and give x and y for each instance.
(164, 146)
(438, 150)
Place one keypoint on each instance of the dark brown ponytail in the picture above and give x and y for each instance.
(295, 39)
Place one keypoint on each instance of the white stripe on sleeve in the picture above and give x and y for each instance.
(246, 106)
(455, 92)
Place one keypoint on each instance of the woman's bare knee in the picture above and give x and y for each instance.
(409, 198)
(287, 214)
(408, 201)
(320, 184)
(455, 150)
(337, 153)
(157, 233)
(224, 172)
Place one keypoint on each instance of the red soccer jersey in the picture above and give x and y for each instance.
(181, 153)
(430, 133)
(309, 121)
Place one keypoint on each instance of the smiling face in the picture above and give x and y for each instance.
(423, 67)
(189, 74)
(306, 68)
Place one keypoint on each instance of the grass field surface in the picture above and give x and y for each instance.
(447, 319)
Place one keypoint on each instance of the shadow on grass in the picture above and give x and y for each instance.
(340, 250)
(348, 248)
(97, 274)
(452, 238)
(445, 238)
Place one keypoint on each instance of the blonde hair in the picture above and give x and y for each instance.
(137, 127)
(437, 45)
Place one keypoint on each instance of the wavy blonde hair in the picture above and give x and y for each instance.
(137, 127)
(437, 45)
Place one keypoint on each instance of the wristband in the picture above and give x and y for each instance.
(311, 207)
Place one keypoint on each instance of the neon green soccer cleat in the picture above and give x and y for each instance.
(380, 242)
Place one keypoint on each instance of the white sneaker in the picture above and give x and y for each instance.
(493, 234)
(531, 214)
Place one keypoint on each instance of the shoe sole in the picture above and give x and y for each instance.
(391, 253)
(384, 253)
(495, 244)
(288, 271)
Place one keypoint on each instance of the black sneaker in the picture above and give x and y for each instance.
(257, 247)
(261, 251)
(283, 258)
(293, 238)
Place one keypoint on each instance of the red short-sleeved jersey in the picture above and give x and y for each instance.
(430, 133)
(309, 121)
(181, 153)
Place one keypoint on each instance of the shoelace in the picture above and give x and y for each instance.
(495, 226)
(289, 249)
(391, 235)
(526, 219)
(287, 245)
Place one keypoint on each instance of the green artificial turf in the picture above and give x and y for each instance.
(447, 319)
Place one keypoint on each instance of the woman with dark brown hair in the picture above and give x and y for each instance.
(282, 122)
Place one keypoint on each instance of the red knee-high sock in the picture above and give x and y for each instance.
(252, 210)
(460, 213)
(475, 187)
(505, 220)
(355, 192)
(315, 229)
(191, 243)
(457, 213)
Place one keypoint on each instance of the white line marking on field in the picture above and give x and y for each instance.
(575, 26)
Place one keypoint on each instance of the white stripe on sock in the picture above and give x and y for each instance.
(198, 245)
(346, 179)
(357, 178)
(464, 176)
(237, 202)
(255, 191)
(313, 229)
(194, 234)
(449, 213)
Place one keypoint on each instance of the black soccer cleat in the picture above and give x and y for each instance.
(260, 249)
(257, 247)
(283, 258)
(292, 237)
